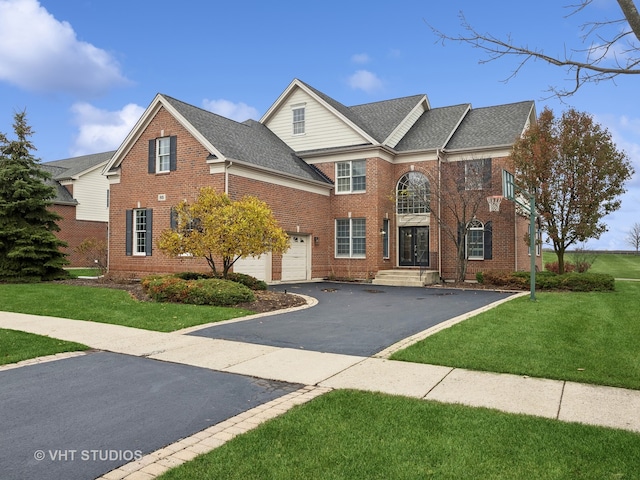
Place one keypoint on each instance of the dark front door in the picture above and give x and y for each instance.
(414, 246)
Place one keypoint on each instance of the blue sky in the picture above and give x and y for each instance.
(85, 70)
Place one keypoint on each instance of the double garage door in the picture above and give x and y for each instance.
(295, 262)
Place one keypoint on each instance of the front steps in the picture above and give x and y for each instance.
(406, 278)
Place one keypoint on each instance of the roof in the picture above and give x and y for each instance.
(491, 126)
(62, 195)
(68, 168)
(249, 142)
(433, 129)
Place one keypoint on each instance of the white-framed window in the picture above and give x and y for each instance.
(351, 176)
(298, 120)
(351, 238)
(163, 154)
(475, 240)
(413, 194)
(140, 231)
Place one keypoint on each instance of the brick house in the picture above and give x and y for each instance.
(359, 190)
(81, 199)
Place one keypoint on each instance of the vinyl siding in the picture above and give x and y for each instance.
(322, 128)
(90, 190)
(406, 126)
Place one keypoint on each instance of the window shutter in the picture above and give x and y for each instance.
(486, 174)
(129, 232)
(488, 241)
(173, 156)
(152, 156)
(148, 244)
(173, 219)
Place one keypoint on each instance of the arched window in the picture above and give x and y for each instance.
(413, 194)
(475, 240)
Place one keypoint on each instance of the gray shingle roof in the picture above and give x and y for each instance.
(432, 129)
(68, 167)
(62, 195)
(379, 119)
(249, 142)
(491, 126)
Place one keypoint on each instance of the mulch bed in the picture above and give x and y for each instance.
(266, 300)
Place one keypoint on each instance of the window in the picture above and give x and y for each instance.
(413, 194)
(475, 240)
(351, 176)
(138, 232)
(298, 120)
(385, 238)
(350, 237)
(477, 174)
(479, 240)
(163, 155)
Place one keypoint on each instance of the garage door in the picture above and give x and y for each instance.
(259, 267)
(295, 260)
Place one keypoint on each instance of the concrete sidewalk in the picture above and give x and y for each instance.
(566, 401)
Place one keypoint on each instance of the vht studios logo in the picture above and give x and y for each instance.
(87, 455)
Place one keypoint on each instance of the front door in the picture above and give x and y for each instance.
(414, 246)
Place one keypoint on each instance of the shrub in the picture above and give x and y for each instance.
(246, 280)
(480, 277)
(553, 267)
(203, 291)
(548, 280)
(505, 279)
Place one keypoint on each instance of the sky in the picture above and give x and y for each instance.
(85, 70)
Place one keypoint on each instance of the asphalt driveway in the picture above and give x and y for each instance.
(354, 318)
(81, 417)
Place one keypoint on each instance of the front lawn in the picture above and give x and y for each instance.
(357, 435)
(581, 337)
(616, 264)
(16, 346)
(107, 305)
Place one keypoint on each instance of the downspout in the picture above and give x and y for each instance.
(226, 177)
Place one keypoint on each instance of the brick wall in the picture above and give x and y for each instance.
(74, 232)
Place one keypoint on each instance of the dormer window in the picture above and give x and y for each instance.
(298, 120)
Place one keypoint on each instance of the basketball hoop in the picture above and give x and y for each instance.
(494, 203)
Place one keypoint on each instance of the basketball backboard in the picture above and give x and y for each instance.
(508, 185)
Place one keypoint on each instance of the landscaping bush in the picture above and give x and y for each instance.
(203, 291)
(241, 278)
(548, 280)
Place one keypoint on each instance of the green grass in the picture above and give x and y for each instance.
(615, 264)
(17, 346)
(107, 305)
(358, 435)
(582, 337)
(84, 272)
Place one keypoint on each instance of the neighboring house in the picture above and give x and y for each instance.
(82, 200)
(354, 187)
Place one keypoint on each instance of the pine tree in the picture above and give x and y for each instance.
(29, 250)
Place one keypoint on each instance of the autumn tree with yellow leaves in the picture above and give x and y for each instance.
(216, 227)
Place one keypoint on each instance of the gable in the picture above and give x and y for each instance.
(325, 126)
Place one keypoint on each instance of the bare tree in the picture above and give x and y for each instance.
(633, 238)
(612, 48)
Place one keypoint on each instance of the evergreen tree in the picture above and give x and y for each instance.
(29, 250)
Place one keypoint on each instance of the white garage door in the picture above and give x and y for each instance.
(295, 260)
(259, 267)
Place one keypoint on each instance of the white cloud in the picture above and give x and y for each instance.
(360, 58)
(102, 130)
(365, 80)
(39, 53)
(235, 111)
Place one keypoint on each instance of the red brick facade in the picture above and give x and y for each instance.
(74, 232)
(299, 209)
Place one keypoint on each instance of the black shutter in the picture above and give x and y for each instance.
(486, 174)
(173, 156)
(129, 232)
(148, 243)
(152, 156)
(173, 219)
(488, 241)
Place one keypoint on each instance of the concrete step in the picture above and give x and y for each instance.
(406, 278)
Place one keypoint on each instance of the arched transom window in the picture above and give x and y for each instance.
(413, 194)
